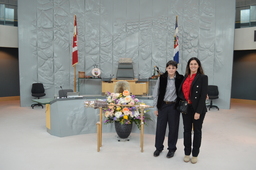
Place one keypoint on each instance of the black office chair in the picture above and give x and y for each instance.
(213, 93)
(64, 92)
(37, 91)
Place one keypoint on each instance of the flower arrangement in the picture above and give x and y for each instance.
(125, 109)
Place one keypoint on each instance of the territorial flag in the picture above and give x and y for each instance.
(176, 43)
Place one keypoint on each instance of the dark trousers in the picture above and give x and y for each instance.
(189, 122)
(167, 114)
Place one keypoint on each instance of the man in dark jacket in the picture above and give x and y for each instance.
(165, 101)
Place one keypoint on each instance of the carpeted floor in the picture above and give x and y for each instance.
(229, 143)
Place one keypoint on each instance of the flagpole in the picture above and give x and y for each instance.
(74, 78)
(176, 42)
(75, 67)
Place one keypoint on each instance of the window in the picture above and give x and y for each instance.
(253, 16)
(245, 16)
(9, 14)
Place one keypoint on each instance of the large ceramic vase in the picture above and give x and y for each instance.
(123, 130)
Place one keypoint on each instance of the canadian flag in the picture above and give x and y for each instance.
(75, 52)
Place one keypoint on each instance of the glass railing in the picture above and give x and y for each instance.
(245, 16)
(8, 15)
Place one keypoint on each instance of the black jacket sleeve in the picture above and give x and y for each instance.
(199, 93)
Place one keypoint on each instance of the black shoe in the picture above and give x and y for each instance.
(170, 154)
(157, 153)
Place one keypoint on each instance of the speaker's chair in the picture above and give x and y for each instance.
(125, 69)
(213, 93)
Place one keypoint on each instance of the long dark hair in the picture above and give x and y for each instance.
(200, 68)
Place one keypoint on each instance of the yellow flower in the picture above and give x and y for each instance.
(125, 117)
(118, 108)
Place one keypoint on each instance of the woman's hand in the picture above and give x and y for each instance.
(156, 112)
(196, 116)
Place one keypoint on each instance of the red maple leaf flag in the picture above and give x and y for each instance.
(75, 52)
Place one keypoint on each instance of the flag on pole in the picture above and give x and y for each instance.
(75, 52)
(176, 43)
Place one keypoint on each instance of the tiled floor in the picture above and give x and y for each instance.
(229, 143)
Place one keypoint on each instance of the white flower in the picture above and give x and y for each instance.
(121, 101)
(127, 112)
(131, 114)
(127, 99)
(136, 100)
(109, 99)
(136, 113)
(118, 114)
(115, 95)
(131, 102)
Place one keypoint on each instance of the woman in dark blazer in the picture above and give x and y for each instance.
(194, 90)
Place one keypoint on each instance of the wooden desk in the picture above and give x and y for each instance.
(46, 102)
(136, 87)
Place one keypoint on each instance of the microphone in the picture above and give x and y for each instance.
(62, 94)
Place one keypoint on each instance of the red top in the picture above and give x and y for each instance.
(187, 86)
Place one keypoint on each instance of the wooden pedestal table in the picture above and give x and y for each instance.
(142, 107)
(99, 123)
(142, 130)
(99, 131)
